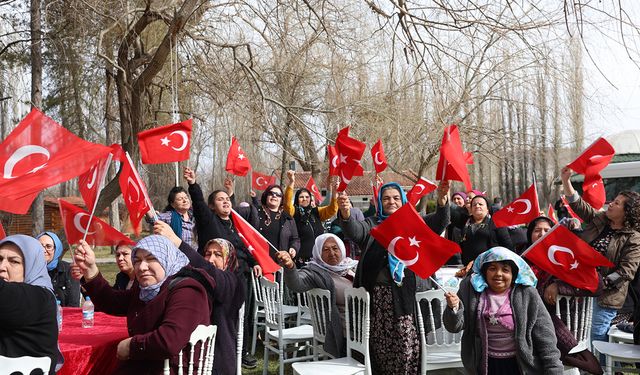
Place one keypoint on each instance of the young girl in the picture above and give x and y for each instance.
(507, 329)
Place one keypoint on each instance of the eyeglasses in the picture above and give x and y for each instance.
(48, 247)
(275, 194)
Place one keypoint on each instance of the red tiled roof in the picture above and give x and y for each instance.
(360, 185)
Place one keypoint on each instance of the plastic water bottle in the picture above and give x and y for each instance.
(87, 313)
(59, 314)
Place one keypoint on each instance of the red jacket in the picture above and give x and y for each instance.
(161, 327)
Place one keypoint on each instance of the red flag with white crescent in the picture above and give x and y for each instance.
(134, 193)
(257, 245)
(99, 233)
(420, 189)
(92, 181)
(350, 151)
(261, 181)
(520, 211)
(379, 158)
(453, 161)
(165, 144)
(593, 160)
(552, 214)
(237, 161)
(566, 205)
(333, 161)
(313, 188)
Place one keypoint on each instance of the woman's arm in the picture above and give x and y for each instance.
(288, 201)
(327, 212)
(107, 299)
(20, 302)
(579, 206)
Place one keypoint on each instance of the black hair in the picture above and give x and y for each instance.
(631, 209)
(302, 190)
(212, 197)
(510, 263)
(172, 196)
(533, 224)
(267, 191)
(483, 197)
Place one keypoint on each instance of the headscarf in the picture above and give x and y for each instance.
(35, 267)
(462, 195)
(342, 268)
(57, 253)
(498, 254)
(170, 258)
(396, 267)
(533, 224)
(229, 254)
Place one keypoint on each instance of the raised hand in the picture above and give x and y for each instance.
(85, 259)
(189, 175)
(452, 300)
(284, 258)
(344, 205)
(164, 229)
(443, 192)
(229, 185)
(291, 176)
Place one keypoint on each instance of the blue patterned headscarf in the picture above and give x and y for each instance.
(57, 253)
(396, 267)
(499, 254)
(170, 258)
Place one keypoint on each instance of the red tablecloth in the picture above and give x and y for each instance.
(90, 350)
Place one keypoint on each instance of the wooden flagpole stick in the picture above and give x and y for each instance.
(103, 174)
(177, 174)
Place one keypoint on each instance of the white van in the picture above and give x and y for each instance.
(617, 177)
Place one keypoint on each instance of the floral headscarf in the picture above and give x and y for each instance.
(229, 254)
(170, 258)
(499, 254)
(57, 253)
(342, 268)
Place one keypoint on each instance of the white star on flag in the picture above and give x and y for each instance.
(240, 156)
(510, 209)
(343, 159)
(414, 242)
(164, 141)
(574, 265)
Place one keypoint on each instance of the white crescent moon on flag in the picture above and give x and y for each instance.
(20, 154)
(344, 179)
(551, 253)
(184, 137)
(392, 249)
(525, 201)
(93, 177)
(422, 187)
(130, 182)
(260, 183)
(314, 188)
(334, 161)
(375, 158)
(78, 225)
(595, 158)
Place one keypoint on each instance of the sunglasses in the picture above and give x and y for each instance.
(275, 194)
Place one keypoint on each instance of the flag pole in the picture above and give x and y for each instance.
(103, 174)
(438, 284)
(177, 174)
(263, 237)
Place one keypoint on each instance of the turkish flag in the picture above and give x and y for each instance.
(379, 158)
(75, 222)
(40, 153)
(350, 151)
(134, 193)
(261, 181)
(551, 213)
(2, 232)
(313, 188)
(593, 160)
(452, 164)
(92, 181)
(237, 162)
(420, 189)
(569, 209)
(333, 161)
(520, 211)
(258, 245)
(165, 144)
(567, 257)
(406, 236)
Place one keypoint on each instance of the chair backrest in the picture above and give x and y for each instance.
(24, 364)
(257, 293)
(357, 304)
(206, 336)
(303, 306)
(273, 317)
(430, 305)
(239, 341)
(576, 313)
(320, 310)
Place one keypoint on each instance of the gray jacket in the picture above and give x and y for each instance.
(535, 338)
(311, 277)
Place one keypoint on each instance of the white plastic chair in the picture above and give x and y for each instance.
(576, 313)
(239, 341)
(206, 335)
(278, 338)
(357, 304)
(24, 365)
(320, 311)
(439, 348)
(304, 315)
(627, 353)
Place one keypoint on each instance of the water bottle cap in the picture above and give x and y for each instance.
(87, 298)
(57, 302)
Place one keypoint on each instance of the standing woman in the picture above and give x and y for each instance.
(65, 287)
(613, 233)
(28, 325)
(275, 224)
(309, 220)
(394, 342)
(179, 215)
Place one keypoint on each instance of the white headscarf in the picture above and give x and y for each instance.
(345, 265)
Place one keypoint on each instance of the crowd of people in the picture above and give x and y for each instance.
(195, 269)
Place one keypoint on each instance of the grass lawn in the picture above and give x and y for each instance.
(273, 363)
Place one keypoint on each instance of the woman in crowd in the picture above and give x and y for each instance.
(126, 276)
(179, 216)
(213, 220)
(328, 269)
(507, 329)
(549, 287)
(309, 220)
(65, 287)
(479, 233)
(275, 224)
(163, 308)
(613, 233)
(28, 325)
(221, 263)
(394, 342)
(459, 199)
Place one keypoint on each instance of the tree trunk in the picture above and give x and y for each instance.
(37, 207)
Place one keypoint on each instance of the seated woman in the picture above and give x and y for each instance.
(329, 269)
(507, 329)
(65, 287)
(28, 325)
(221, 262)
(126, 276)
(162, 308)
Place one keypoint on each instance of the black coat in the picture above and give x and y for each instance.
(66, 288)
(484, 238)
